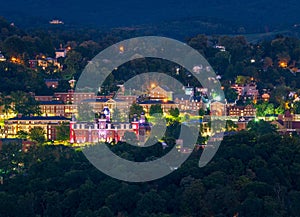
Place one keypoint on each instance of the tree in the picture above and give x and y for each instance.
(6, 102)
(13, 45)
(104, 212)
(261, 127)
(151, 202)
(201, 112)
(268, 62)
(63, 132)
(199, 43)
(174, 112)
(264, 109)
(155, 109)
(192, 198)
(296, 107)
(72, 63)
(21, 134)
(230, 125)
(117, 116)
(279, 110)
(230, 94)
(135, 109)
(25, 104)
(130, 137)
(37, 134)
(85, 112)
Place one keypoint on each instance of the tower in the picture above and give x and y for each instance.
(135, 124)
(106, 112)
(102, 131)
(72, 132)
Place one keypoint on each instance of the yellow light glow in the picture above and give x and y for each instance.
(287, 105)
(16, 60)
(153, 85)
(121, 49)
(283, 64)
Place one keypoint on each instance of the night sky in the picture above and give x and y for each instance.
(134, 12)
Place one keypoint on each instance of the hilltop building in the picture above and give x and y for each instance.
(103, 130)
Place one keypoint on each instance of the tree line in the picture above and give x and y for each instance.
(254, 173)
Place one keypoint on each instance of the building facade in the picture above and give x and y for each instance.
(218, 109)
(103, 130)
(57, 108)
(25, 123)
(242, 111)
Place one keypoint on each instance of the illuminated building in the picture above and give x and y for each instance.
(51, 83)
(71, 96)
(103, 130)
(61, 52)
(158, 93)
(57, 108)
(25, 123)
(98, 105)
(2, 58)
(56, 22)
(242, 111)
(218, 109)
(192, 104)
(165, 105)
(16, 60)
(265, 97)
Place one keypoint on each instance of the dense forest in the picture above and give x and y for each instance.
(253, 174)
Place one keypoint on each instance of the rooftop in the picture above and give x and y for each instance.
(53, 102)
(49, 118)
(156, 102)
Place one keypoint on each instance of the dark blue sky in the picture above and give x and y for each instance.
(131, 12)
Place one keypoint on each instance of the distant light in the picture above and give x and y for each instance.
(121, 49)
(252, 60)
(283, 64)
